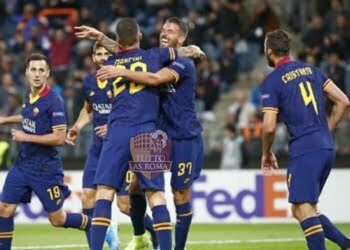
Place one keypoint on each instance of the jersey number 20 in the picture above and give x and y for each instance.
(308, 96)
(133, 86)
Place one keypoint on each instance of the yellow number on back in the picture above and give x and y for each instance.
(116, 89)
(134, 88)
(308, 96)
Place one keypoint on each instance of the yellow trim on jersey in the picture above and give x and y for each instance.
(59, 127)
(270, 109)
(32, 98)
(102, 84)
(326, 84)
(172, 54)
(174, 73)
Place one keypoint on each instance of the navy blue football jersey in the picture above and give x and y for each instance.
(179, 118)
(295, 90)
(135, 104)
(98, 94)
(41, 115)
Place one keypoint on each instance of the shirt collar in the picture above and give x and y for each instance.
(44, 91)
(127, 50)
(283, 61)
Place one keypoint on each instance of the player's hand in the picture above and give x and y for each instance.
(268, 163)
(109, 71)
(72, 135)
(192, 51)
(101, 131)
(18, 135)
(197, 52)
(87, 32)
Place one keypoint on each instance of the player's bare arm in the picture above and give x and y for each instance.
(163, 76)
(340, 104)
(268, 160)
(10, 119)
(56, 138)
(192, 51)
(86, 32)
(85, 116)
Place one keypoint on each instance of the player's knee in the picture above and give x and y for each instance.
(57, 222)
(105, 193)
(181, 196)
(124, 207)
(57, 219)
(155, 198)
(303, 211)
(88, 198)
(6, 210)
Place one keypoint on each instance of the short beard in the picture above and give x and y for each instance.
(270, 62)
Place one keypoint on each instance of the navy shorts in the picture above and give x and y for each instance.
(49, 187)
(187, 161)
(307, 175)
(115, 157)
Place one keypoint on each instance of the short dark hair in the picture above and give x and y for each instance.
(37, 57)
(127, 31)
(279, 42)
(182, 25)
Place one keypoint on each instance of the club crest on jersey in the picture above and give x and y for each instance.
(150, 153)
(35, 111)
(92, 93)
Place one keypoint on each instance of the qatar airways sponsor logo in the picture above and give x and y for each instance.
(28, 125)
(102, 108)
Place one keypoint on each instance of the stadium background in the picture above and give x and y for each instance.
(231, 33)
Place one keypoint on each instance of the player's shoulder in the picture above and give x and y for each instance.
(54, 97)
(184, 64)
(184, 61)
(89, 79)
(157, 51)
(270, 78)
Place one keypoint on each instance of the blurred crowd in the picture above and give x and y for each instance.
(230, 32)
(324, 42)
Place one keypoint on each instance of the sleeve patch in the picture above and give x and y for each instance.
(174, 73)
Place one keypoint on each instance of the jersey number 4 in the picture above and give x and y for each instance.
(308, 96)
(133, 87)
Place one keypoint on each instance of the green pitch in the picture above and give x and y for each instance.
(202, 237)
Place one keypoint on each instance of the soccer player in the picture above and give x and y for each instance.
(97, 108)
(38, 166)
(296, 91)
(178, 121)
(135, 110)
